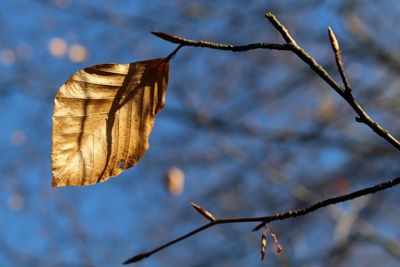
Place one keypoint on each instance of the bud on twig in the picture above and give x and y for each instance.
(168, 37)
(204, 212)
(334, 42)
(338, 58)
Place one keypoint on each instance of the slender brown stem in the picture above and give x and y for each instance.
(330, 201)
(280, 28)
(227, 47)
(275, 217)
(346, 94)
(291, 45)
(141, 256)
(173, 53)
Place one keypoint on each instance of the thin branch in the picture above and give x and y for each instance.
(280, 28)
(276, 217)
(346, 94)
(148, 254)
(227, 47)
(291, 45)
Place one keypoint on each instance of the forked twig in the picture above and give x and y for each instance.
(291, 45)
(275, 217)
(345, 93)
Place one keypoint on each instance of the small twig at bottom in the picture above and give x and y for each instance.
(276, 217)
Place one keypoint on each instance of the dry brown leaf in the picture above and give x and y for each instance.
(102, 120)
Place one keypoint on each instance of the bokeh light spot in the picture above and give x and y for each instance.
(57, 47)
(7, 56)
(175, 180)
(77, 53)
(16, 202)
(17, 138)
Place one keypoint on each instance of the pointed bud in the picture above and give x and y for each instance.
(167, 37)
(203, 212)
(334, 41)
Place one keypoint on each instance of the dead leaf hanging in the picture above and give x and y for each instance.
(102, 120)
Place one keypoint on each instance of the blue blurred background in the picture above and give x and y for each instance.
(252, 133)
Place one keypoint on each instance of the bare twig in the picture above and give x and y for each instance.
(291, 45)
(141, 256)
(346, 94)
(234, 48)
(276, 217)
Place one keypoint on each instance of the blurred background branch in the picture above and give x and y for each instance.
(236, 125)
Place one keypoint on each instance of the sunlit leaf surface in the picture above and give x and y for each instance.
(102, 120)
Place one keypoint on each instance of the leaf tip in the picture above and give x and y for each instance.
(55, 182)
